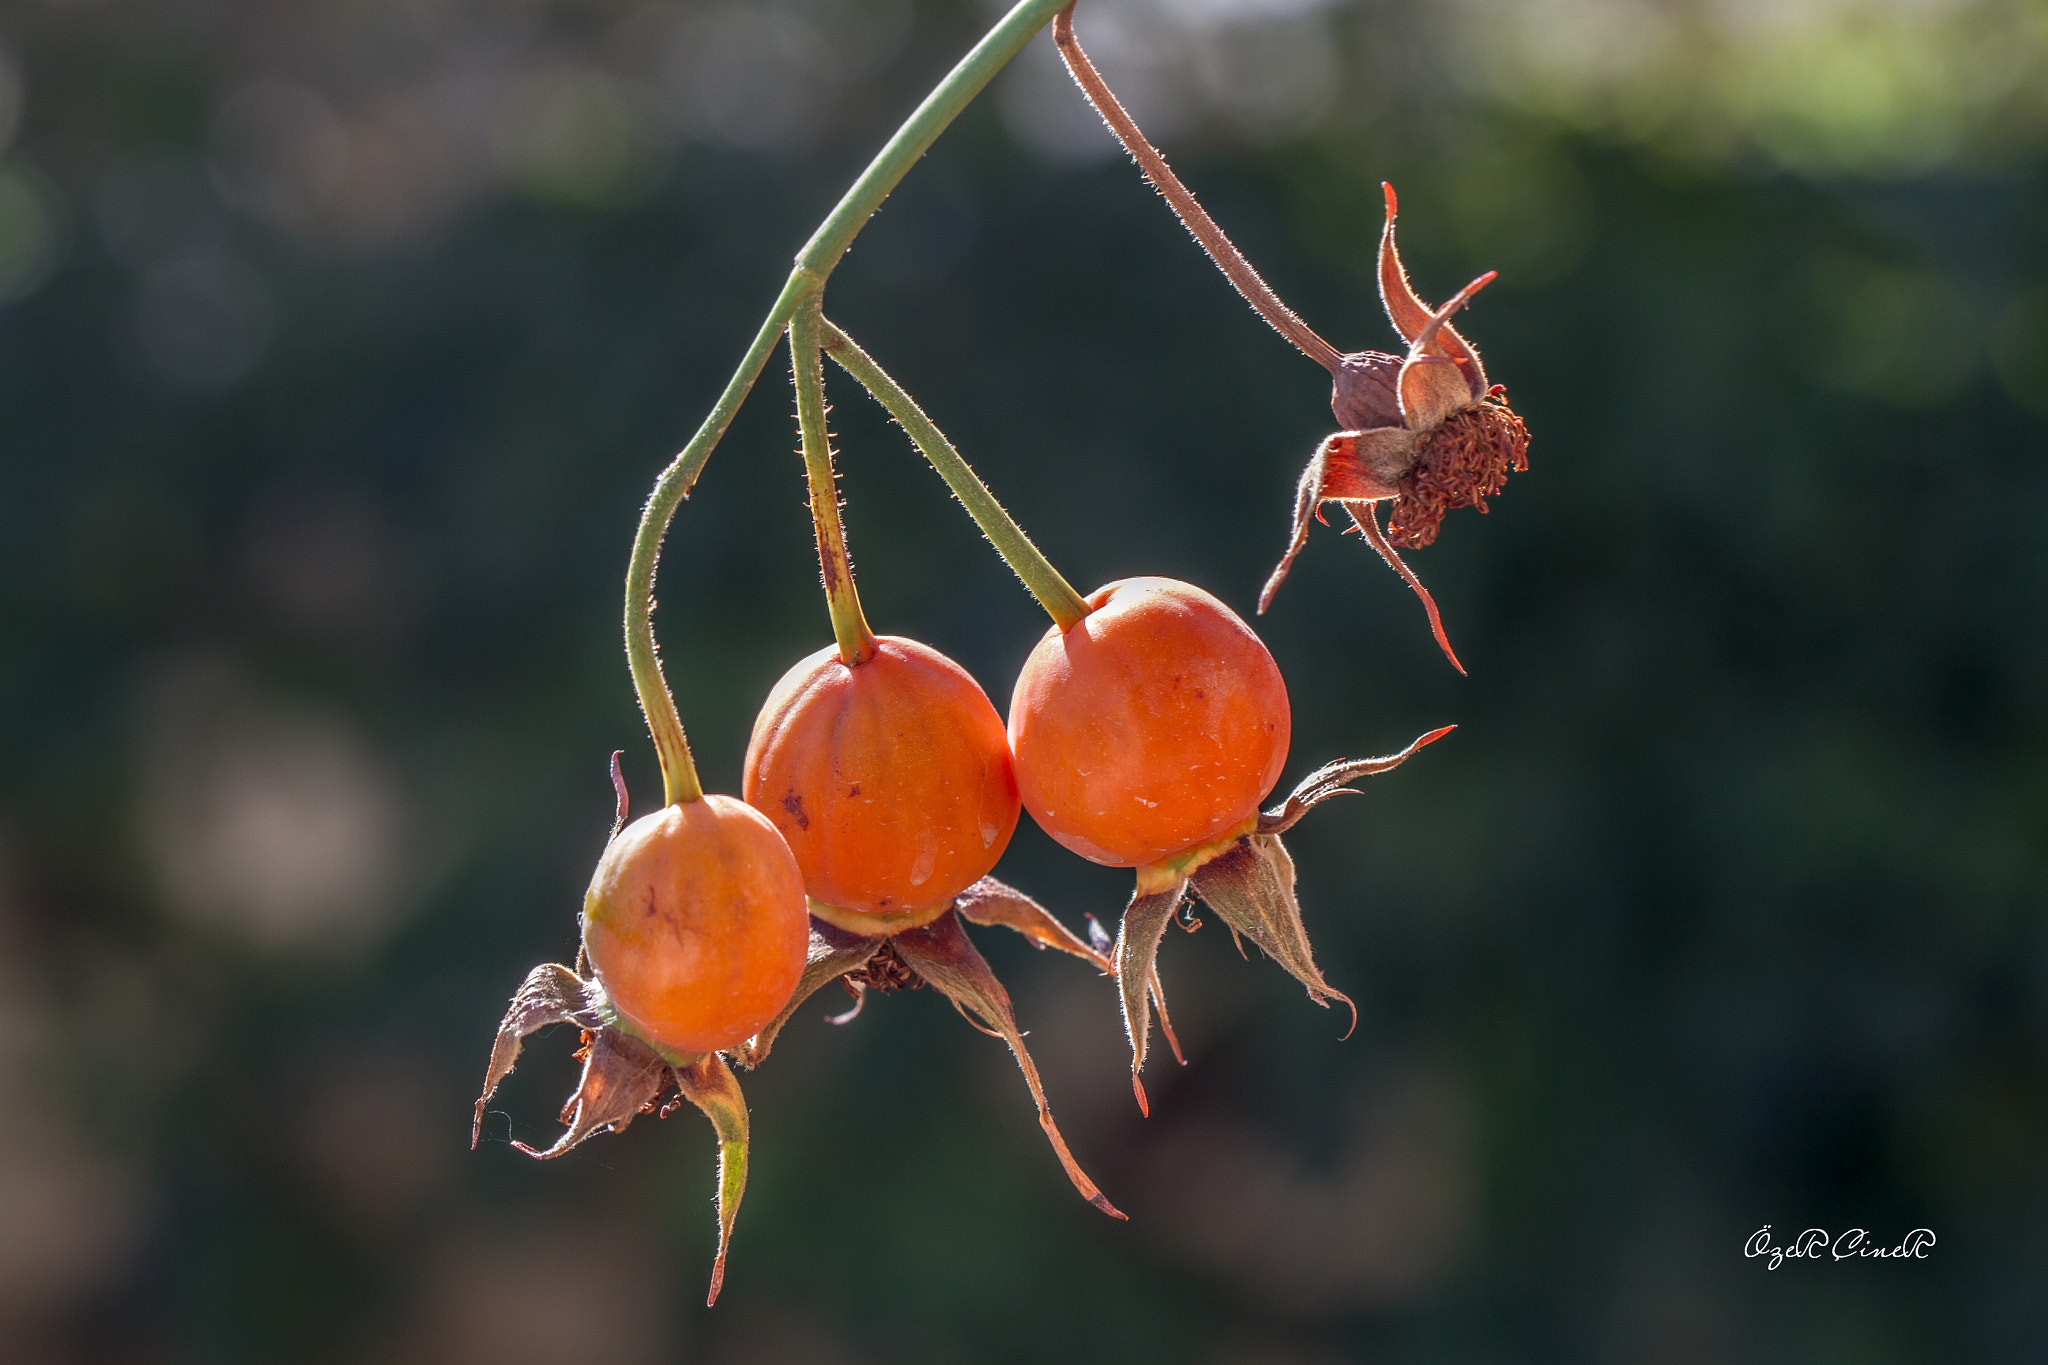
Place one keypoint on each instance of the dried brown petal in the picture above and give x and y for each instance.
(941, 953)
(833, 952)
(551, 994)
(710, 1085)
(989, 901)
(1250, 886)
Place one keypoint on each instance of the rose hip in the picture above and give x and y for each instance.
(890, 779)
(1155, 724)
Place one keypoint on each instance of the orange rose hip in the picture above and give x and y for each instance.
(890, 779)
(1155, 724)
(695, 923)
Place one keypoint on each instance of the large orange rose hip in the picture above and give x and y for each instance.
(1153, 725)
(696, 925)
(891, 780)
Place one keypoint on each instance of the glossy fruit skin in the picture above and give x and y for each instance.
(891, 779)
(1155, 724)
(696, 925)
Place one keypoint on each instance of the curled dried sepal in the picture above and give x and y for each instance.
(1333, 779)
(941, 953)
(710, 1085)
(833, 952)
(551, 994)
(623, 1077)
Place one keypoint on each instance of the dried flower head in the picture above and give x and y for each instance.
(1424, 431)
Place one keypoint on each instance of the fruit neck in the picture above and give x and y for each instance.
(842, 599)
(1154, 878)
(877, 926)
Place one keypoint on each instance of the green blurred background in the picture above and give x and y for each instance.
(342, 339)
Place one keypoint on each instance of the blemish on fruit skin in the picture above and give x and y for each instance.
(927, 858)
(794, 804)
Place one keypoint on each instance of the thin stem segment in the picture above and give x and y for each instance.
(813, 264)
(849, 627)
(1054, 593)
(1185, 206)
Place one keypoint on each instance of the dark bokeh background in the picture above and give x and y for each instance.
(342, 340)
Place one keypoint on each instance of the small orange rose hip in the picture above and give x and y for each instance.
(695, 924)
(1155, 724)
(890, 779)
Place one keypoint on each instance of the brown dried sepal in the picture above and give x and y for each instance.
(942, 954)
(939, 954)
(1249, 883)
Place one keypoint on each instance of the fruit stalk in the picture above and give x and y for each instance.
(1054, 593)
(1186, 207)
(849, 626)
(813, 264)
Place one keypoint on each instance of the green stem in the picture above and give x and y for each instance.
(1054, 593)
(849, 627)
(813, 264)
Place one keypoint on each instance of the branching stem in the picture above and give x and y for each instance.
(1054, 593)
(1185, 206)
(813, 264)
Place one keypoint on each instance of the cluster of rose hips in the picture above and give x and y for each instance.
(881, 786)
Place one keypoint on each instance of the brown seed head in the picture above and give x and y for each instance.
(1464, 461)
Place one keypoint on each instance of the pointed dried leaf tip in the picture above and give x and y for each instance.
(551, 994)
(1250, 886)
(941, 953)
(710, 1085)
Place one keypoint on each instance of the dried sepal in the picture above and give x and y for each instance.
(621, 1078)
(1411, 317)
(989, 901)
(1250, 886)
(832, 953)
(1334, 779)
(1137, 974)
(551, 994)
(709, 1084)
(942, 954)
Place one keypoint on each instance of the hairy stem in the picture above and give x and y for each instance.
(819, 255)
(1054, 593)
(849, 627)
(1192, 215)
